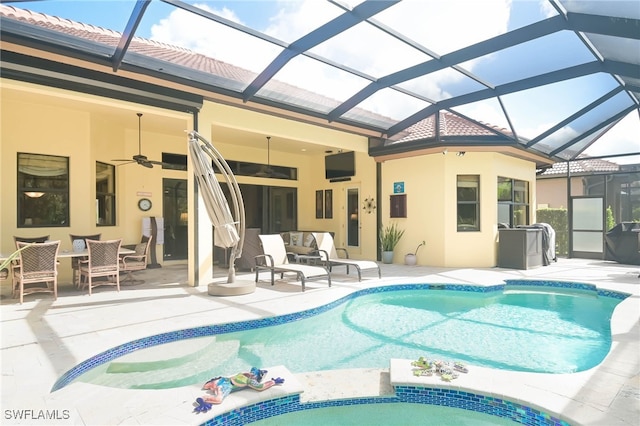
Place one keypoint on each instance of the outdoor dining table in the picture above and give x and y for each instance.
(67, 254)
(64, 254)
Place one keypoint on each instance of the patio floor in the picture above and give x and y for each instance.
(43, 338)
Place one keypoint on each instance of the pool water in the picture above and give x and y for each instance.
(398, 414)
(517, 331)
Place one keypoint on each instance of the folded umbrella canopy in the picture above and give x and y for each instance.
(228, 220)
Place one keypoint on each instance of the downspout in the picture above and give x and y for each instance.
(378, 210)
(569, 212)
(196, 214)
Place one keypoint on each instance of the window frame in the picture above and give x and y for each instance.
(509, 199)
(102, 195)
(461, 226)
(31, 182)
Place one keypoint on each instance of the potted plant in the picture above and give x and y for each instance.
(411, 258)
(389, 238)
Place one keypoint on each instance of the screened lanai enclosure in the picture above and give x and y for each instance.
(551, 77)
(552, 81)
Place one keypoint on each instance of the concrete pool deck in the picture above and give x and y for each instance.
(42, 339)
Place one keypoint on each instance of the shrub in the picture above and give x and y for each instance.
(558, 219)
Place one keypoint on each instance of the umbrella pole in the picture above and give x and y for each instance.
(230, 228)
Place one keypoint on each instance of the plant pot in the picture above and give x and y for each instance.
(387, 257)
(410, 259)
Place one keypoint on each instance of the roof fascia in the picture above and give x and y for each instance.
(12, 31)
(55, 74)
(417, 149)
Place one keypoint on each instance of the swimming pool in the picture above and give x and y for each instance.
(555, 330)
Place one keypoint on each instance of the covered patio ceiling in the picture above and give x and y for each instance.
(556, 78)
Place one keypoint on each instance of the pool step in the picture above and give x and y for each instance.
(159, 374)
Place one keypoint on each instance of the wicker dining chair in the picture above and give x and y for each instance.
(37, 270)
(75, 261)
(42, 239)
(102, 261)
(137, 261)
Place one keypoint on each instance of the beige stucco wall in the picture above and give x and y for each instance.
(43, 120)
(311, 172)
(89, 128)
(553, 191)
(58, 122)
(430, 185)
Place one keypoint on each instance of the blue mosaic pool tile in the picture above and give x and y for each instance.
(212, 330)
(477, 402)
(568, 286)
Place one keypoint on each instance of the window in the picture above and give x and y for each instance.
(242, 168)
(43, 190)
(105, 194)
(513, 202)
(174, 161)
(468, 198)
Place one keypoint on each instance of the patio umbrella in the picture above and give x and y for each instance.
(228, 220)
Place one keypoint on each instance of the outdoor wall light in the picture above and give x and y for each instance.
(445, 151)
(369, 205)
(461, 154)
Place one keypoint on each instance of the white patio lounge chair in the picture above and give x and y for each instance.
(329, 255)
(275, 260)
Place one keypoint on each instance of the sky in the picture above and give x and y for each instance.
(441, 28)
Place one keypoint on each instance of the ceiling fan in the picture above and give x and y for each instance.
(268, 172)
(140, 159)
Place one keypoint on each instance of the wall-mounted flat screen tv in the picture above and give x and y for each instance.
(340, 165)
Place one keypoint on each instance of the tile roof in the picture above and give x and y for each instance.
(583, 166)
(450, 123)
(163, 51)
(176, 55)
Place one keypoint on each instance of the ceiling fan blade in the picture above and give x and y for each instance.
(146, 164)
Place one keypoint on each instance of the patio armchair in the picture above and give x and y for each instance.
(275, 260)
(102, 262)
(75, 261)
(137, 261)
(37, 269)
(329, 256)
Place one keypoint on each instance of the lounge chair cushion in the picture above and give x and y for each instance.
(275, 260)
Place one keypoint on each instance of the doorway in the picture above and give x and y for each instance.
(353, 217)
(174, 210)
(269, 209)
(587, 227)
